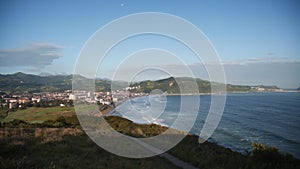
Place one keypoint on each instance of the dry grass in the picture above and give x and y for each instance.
(13, 136)
(63, 148)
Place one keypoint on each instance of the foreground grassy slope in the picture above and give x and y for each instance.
(212, 156)
(38, 146)
(72, 151)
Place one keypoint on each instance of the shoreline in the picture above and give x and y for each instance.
(110, 109)
(63, 139)
(19, 132)
(231, 147)
(234, 92)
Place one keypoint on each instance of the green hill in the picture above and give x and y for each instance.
(20, 83)
(171, 86)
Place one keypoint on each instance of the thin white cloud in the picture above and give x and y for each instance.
(283, 72)
(270, 70)
(33, 56)
(269, 59)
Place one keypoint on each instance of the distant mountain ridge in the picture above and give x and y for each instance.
(21, 82)
(170, 85)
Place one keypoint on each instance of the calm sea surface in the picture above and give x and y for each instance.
(269, 118)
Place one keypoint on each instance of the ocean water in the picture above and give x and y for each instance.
(269, 118)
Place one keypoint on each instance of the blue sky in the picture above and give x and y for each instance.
(257, 41)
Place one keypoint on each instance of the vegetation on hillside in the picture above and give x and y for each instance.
(77, 151)
(33, 115)
(20, 83)
(212, 156)
(268, 87)
(170, 85)
(58, 142)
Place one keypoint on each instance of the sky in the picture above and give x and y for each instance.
(258, 41)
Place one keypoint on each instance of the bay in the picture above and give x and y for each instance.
(269, 118)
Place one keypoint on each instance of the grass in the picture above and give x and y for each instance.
(212, 156)
(126, 126)
(39, 115)
(70, 152)
(69, 147)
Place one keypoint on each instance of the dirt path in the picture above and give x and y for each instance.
(174, 160)
(179, 163)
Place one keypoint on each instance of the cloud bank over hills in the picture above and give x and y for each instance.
(269, 70)
(253, 71)
(31, 57)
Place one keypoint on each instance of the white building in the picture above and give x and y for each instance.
(72, 97)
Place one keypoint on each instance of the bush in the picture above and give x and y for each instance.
(14, 123)
(270, 158)
(62, 121)
(71, 120)
(264, 153)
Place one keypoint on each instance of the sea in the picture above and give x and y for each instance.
(271, 118)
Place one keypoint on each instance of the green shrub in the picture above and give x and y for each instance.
(60, 122)
(265, 157)
(264, 153)
(15, 123)
(71, 120)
